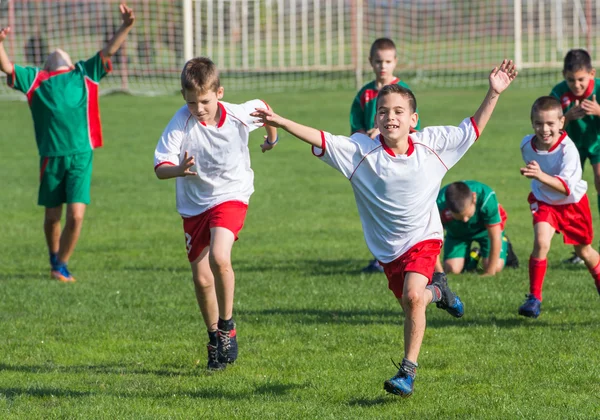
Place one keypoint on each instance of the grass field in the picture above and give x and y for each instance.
(316, 336)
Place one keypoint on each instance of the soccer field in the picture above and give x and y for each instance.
(316, 335)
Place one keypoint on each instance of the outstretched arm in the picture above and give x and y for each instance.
(5, 64)
(500, 78)
(118, 38)
(306, 134)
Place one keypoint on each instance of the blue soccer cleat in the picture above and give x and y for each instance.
(373, 267)
(531, 308)
(450, 302)
(401, 384)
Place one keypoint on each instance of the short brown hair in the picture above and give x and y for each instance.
(577, 59)
(200, 74)
(546, 103)
(458, 196)
(395, 88)
(382, 44)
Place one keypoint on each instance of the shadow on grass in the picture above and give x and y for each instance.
(35, 275)
(374, 402)
(42, 392)
(100, 369)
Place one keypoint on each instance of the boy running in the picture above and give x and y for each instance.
(557, 200)
(470, 212)
(64, 105)
(396, 200)
(205, 146)
(383, 60)
(577, 95)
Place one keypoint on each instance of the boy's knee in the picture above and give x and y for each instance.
(75, 219)
(204, 284)
(219, 261)
(452, 268)
(412, 299)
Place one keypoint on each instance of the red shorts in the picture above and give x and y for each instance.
(229, 215)
(421, 258)
(574, 221)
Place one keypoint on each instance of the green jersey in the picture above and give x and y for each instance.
(364, 107)
(487, 213)
(64, 105)
(585, 131)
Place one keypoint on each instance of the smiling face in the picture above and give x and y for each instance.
(203, 105)
(395, 116)
(383, 63)
(547, 125)
(579, 80)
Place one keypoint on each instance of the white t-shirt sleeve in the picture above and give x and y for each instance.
(339, 152)
(570, 169)
(168, 148)
(451, 143)
(242, 112)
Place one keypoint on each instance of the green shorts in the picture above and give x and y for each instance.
(65, 179)
(593, 156)
(459, 248)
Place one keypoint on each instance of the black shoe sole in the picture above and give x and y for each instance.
(389, 387)
(528, 314)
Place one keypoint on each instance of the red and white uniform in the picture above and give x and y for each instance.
(396, 195)
(221, 155)
(561, 161)
(568, 214)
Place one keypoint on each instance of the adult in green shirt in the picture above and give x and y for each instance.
(63, 100)
(470, 212)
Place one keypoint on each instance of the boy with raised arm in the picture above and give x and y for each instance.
(205, 146)
(383, 60)
(395, 180)
(63, 99)
(558, 199)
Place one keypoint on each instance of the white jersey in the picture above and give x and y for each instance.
(561, 161)
(221, 155)
(396, 195)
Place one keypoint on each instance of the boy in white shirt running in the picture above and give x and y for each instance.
(205, 146)
(396, 180)
(558, 199)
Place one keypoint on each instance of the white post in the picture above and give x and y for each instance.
(359, 42)
(188, 31)
(559, 27)
(518, 35)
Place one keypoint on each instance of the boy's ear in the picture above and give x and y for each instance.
(562, 122)
(593, 72)
(414, 119)
(183, 93)
(220, 92)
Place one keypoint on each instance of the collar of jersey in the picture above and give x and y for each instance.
(409, 151)
(587, 92)
(221, 119)
(554, 146)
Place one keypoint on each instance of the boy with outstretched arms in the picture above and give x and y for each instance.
(577, 96)
(205, 146)
(63, 99)
(396, 200)
(383, 60)
(470, 212)
(558, 199)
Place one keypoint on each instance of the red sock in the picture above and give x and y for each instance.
(595, 272)
(537, 272)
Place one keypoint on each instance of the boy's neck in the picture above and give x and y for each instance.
(399, 146)
(544, 147)
(379, 83)
(215, 120)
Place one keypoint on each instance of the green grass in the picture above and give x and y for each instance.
(316, 336)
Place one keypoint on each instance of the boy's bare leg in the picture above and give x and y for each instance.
(454, 265)
(415, 298)
(589, 255)
(221, 242)
(71, 231)
(204, 284)
(52, 218)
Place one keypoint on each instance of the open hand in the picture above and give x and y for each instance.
(267, 117)
(576, 112)
(501, 77)
(126, 14)
(373, 133)
(4, 33)
(186, 164)
(591, 107)
(532, 170)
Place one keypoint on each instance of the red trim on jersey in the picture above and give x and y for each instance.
(322, 146)
(93, 113)
(385, 146)
(475, 128)
(223, 115)
(503, 218)
(106, 62)
(562, 181)
(361, 161)
(433, 151)
(13, 77)
(554, 146)
(163, 163)
(367, 96)
(42, 76)
(43, 169)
